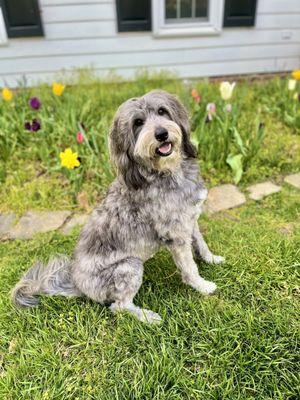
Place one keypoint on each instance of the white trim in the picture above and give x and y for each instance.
(194, 28)
(3, 35)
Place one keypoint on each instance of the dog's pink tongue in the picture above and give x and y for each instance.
(165, 148)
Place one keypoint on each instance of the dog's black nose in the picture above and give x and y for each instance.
(161, 134)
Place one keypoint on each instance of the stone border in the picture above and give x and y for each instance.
(220, 198)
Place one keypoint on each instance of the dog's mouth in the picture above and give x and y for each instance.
(164, 149)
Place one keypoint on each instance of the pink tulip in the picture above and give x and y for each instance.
(79, 137)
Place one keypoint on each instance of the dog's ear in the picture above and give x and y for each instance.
(181, 117)
(120, 146)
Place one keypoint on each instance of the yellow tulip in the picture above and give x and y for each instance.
(296, 74)
(7, 94)
(226, 89)
(58, 88)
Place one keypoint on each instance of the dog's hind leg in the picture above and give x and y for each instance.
(183, 258)
(115, 284)
(127, 279)
(201, 249)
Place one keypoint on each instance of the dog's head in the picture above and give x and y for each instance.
(150, 133)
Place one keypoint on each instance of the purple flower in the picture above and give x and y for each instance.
(34, 126)
(27, 126)
(35, 103)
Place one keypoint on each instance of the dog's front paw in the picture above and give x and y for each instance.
(206, 287)
(212, 259)
(218, 259)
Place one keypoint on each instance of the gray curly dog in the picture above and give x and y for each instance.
(155, 201)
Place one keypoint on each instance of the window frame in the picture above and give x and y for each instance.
(3, 34)
(195, 28)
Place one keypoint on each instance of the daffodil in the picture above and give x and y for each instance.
(296, 74)
(69, 159)
(7, 94)
(226, 89)
(292, 84)
(58, 88)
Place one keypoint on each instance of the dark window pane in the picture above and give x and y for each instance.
(201, 8)
(238, 9)
(20, 13)
(186, 9)
(171, 9)
(133, 10)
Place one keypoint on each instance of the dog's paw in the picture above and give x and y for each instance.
(207, 287)
(149, 316)
(218, 259)
(212, 259)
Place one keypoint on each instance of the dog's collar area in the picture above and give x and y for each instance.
(164, 149)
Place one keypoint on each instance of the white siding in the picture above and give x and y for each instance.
(82, 34)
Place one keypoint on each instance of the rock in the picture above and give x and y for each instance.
(6, 224)
(293, 180)
(76, 220)
(38, 222)
(223, 197)
(261, 190)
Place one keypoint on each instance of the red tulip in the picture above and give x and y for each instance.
(79, 137)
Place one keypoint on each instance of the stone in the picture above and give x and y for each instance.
(261, 190)
(76, 220)
(6, 223)
(38, 222)
(293, 180)
(222, 198)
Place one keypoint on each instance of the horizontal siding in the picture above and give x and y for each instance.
(134, 44)
(82, 34)
(165, 59)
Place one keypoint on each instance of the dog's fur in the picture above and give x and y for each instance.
(155, 201)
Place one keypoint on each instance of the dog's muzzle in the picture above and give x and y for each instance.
(162, 135)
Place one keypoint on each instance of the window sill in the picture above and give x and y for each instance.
(169, 31)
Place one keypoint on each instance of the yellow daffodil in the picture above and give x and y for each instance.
(226, 89)
(292, 84)
(58, 88)
(7, 94)
(69, 159)
(296, 74)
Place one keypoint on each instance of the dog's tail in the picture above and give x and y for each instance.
(52, 279)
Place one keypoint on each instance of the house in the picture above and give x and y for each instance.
(193, 38)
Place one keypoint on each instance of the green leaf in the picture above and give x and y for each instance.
(239, 141)
(235, 163)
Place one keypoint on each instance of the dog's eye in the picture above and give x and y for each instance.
(161, 111)
(138, 122)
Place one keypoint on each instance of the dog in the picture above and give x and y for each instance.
(154, 202)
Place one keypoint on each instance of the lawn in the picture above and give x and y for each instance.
(242, 342)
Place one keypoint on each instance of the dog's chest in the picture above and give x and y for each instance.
(175, 211)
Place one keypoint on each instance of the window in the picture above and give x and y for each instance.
(3, 36)
(134, 15)
(186, 10)
(22, 18)
(239, 13)
(187, 17)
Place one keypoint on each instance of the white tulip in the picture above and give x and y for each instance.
(292, 84)
(226, 89)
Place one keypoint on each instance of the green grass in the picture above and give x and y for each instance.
(242, 343)
(30, 171)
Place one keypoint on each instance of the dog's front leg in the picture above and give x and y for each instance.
(183, 258)
(201, 249)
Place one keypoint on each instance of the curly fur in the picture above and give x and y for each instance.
(154, 202)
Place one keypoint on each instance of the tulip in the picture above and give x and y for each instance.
(34, 103)
(296, 74)
(228, 108)
(79, 137)
(226, 89)
(58, 88)
(7, 94)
